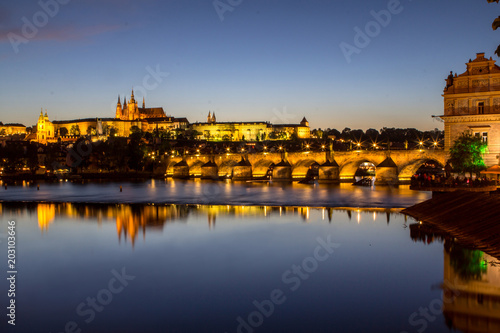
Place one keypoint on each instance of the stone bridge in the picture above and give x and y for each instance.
(393, 166)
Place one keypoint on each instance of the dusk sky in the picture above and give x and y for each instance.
(250, 60)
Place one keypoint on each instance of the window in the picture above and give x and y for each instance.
(480, 108)
(485, 137)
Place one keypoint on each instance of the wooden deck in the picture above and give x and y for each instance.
(473, 218)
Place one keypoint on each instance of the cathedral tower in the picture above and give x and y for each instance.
(118, 109)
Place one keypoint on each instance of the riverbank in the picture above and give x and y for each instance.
(112, 176)
(473, 218)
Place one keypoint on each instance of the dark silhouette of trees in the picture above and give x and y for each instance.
(495, 25)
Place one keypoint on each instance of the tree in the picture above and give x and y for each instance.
(112, 131)
(63, 131)
(75, 130)
(466, 153)
(135, 129)
(495, 25)
(91, 130)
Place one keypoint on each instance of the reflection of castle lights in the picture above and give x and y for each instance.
(46, 214)
(359, 216)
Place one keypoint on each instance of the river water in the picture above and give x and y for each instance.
(174, 256)
(198, 191)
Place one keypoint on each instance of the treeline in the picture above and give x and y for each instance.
(411, 137)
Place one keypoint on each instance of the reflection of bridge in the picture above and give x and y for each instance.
(392, 166)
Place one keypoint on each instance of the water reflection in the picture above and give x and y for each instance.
(471, 283)
(201, 267)
(133, 220)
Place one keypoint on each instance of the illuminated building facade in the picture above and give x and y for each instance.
(250, 131)
(131, 111)
(129, 116)
(472, 103)
(11, 129)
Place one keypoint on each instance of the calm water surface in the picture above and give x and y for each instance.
(234, 268)
(218, 193)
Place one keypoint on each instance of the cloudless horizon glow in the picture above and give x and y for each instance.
(265, 61)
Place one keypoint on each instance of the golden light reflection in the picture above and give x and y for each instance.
(133, 220)
(46, 214)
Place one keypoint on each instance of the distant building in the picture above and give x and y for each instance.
(12, 129)
(472, 103)
(44, 129)
(131, 111)
(128, 116)
(250, 131)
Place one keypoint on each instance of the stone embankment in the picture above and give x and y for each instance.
(472, 218)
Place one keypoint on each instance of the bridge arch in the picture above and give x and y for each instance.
(226, 168)
(348, 169)
(261, 167)
(411, 168)
(195, 168)
(301, 168)
(170, 167)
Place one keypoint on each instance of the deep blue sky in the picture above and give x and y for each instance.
(267, 60)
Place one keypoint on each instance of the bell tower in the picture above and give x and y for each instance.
(118, 109)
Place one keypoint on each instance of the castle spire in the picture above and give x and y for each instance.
(143, 102)
(118, 100)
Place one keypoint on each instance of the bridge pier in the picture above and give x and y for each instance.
(329, 172)
(209, 170)
(242, 170)
(387, 173)
(181, 170)
(282, 171)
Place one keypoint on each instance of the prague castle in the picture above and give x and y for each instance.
(129, 115)
(130, 110)
(472, 103)
(258, 131)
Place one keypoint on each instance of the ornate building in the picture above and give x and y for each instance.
(44, 129)
(472, 103)
(131, 111)
(127, 117)
(12, 129)
(250, 131)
